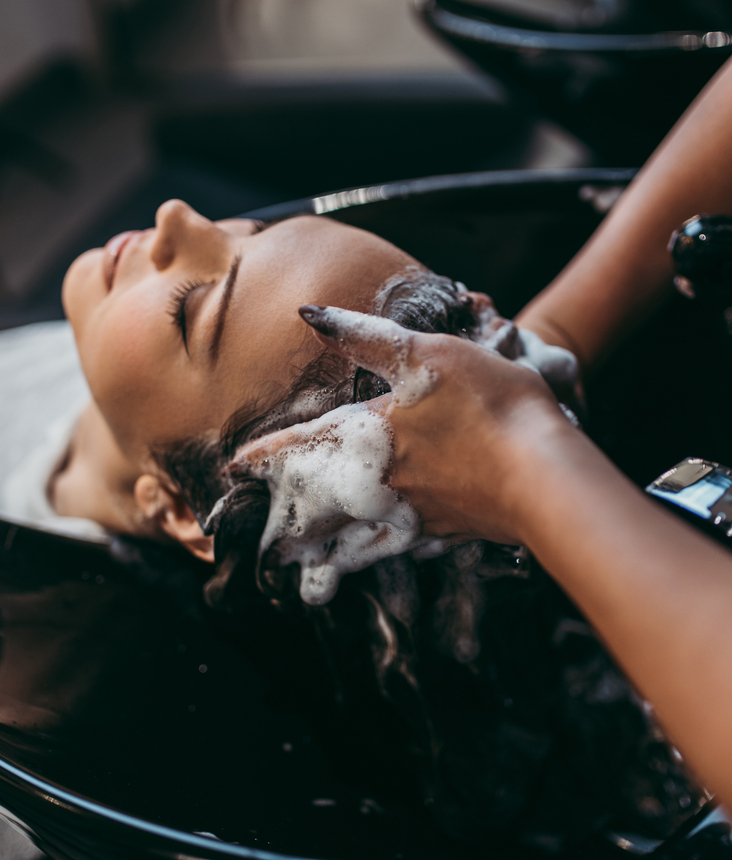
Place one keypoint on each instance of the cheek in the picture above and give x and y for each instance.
(121, 354)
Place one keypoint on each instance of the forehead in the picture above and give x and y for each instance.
(332, 238)
(310, 261)
(334, 259)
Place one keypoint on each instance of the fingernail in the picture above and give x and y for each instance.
(316, 316)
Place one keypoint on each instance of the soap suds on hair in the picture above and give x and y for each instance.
(332, 511)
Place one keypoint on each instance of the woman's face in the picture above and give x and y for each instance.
(180, 325)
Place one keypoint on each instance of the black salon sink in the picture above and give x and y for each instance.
(135, 722)
(617, 74)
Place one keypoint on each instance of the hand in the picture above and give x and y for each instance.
(460, 416)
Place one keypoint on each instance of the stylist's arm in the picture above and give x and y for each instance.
(624, 271)
(488, 453)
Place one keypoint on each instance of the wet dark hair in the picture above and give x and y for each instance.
(521, 722)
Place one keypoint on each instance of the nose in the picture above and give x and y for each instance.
(181, 234)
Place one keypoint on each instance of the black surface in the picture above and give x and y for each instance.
(329, 134)
(124, 691)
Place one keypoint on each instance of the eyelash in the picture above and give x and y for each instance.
(177, 303)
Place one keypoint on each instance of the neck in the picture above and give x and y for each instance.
(96, 479)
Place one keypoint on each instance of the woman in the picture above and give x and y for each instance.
(175, 330)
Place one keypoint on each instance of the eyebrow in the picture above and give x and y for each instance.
(213, 347)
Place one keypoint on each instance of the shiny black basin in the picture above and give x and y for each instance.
(133, 719)
(616, 74)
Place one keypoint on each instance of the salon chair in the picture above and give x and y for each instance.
(617, 73)
(136, 723)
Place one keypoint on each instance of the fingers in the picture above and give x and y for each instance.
(371, 342)
(380, 345)
(254, 459)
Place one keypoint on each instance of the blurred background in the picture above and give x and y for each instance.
(109, 107)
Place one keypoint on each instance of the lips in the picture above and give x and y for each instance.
(112, 253)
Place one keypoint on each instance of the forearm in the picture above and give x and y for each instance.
(658, 592)
(624, 271)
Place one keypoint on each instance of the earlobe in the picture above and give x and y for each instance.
(172, 515)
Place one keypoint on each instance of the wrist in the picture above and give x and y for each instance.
(540, 451)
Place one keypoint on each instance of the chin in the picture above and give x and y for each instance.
(83, 285)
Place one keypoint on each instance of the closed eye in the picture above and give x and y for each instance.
(177, 305)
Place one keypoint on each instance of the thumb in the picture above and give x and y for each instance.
(253, 459)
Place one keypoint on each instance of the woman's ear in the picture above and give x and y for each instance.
(172, 515)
